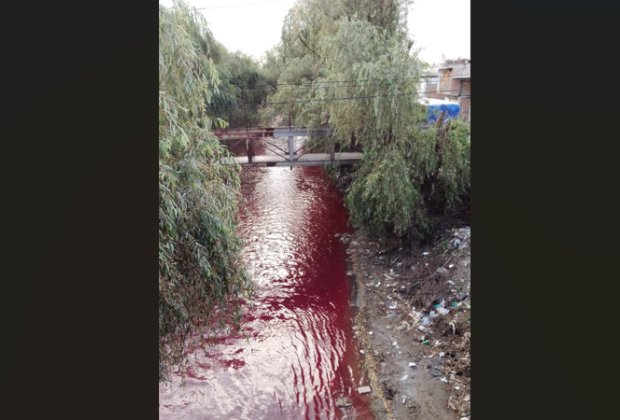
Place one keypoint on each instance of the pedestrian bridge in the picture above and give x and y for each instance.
(283, 157)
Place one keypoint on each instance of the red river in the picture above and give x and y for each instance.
(300, 354)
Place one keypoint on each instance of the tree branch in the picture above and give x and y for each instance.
(306, 45)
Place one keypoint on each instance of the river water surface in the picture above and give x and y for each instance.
(300, 355)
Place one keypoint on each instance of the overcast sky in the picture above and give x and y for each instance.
(254, 26)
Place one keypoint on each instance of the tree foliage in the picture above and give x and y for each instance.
(244, 87)
(200, 271)
(350, 65)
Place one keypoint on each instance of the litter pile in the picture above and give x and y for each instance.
(416, 325)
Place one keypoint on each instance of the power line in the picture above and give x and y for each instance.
(255, 87)
(339, 99)
(320, 82)
(447, 91)
(348, 82)
(238, 5)
(343, 84)
(252, 88)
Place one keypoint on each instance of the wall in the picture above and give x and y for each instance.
(464, 86)
(445, 81)
(465, 104)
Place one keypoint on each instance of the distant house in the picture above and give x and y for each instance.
(430, 84)
(451, 82)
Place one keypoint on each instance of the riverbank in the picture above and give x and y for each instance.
(413, 327)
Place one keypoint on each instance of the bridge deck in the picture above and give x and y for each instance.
(308, 159)
(252, 134)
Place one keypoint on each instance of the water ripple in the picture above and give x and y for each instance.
(299, 354)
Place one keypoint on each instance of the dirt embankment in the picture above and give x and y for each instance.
(413, 326)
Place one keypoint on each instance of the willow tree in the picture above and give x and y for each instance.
(243, 88)
(350, 64)
(201, 276)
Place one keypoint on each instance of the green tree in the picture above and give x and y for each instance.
(243, 88)
(350, 64)
(201, 276)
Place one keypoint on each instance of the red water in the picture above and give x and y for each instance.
(300, 354)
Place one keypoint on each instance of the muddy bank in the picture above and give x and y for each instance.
(412, 326)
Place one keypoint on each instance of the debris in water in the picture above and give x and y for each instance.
(364, 390)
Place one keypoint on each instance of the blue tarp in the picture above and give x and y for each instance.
(437, 106)
(452, 111)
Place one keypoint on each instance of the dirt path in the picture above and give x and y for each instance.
(414, 308)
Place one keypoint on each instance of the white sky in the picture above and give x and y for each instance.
(438, 26)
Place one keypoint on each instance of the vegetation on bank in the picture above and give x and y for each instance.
(201, 275)
(351, 65)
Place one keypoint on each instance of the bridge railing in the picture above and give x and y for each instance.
(253, 133)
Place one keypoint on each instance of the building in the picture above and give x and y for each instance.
(451, 81)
